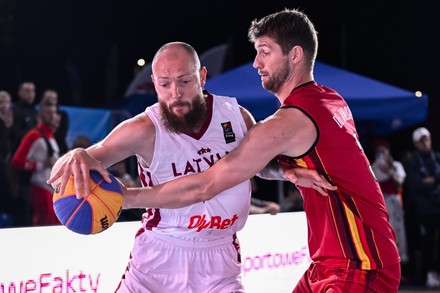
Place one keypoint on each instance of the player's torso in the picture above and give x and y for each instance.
(355, 214)
(179, 155)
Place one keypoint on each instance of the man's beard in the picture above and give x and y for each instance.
(274, 84)
(187, 123)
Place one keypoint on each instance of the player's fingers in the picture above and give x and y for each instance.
(54, 176)
(57, 171)
(290, 175)
(85, 172)
(104, 173)
(79, 186)
(83, 180)
(75, 170)
(321, 190)
(63, 181)
(322, 182)
(63, 173)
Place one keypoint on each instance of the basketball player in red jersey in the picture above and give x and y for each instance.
(351, 242)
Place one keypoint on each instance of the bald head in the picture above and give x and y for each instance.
(174, 51)
(178, 79)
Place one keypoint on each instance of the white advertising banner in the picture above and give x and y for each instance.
(55, 259)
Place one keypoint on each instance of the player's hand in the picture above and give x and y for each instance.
(308, 178)
(78, 163)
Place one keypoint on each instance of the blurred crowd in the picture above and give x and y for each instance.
(33, 136)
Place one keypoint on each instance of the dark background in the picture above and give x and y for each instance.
(87, 49)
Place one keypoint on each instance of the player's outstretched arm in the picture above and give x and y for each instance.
(199, 187)
(255, 151)
(128, 138)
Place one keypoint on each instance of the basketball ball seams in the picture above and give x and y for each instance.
(75, 211)
(104, 204)
(94, 213)
(114, 196)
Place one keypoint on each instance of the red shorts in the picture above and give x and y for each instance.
(319, 278)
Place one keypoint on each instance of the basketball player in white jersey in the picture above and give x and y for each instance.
(190, 249)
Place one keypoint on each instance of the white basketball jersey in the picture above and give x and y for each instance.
(177, 155)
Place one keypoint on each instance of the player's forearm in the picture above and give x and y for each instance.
(173, 194)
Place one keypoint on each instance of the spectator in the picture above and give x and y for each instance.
(412, 227)
(423, 172)
(25, 114)
(36, 154)
(6, 122)
(25, 118)
(391, 175)
(51, 96)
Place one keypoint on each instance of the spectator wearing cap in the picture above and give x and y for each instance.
(391, 175)
(423, 174)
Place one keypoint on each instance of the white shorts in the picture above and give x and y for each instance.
(162, 264)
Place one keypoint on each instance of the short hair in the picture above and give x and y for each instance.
(288, 28)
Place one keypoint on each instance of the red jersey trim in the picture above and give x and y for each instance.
(209, 102)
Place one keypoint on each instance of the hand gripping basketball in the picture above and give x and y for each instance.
(94, 213)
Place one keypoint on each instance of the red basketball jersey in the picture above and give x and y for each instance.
(350, 227)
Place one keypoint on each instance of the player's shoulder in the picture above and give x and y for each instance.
(247, 117)
(140, 123)
(288, 121)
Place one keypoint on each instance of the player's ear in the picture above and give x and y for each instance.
(203, 75)
(296, 54)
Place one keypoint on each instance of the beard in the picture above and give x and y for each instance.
(274, 83)
(188, 122)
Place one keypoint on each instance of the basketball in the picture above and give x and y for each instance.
(94, 213)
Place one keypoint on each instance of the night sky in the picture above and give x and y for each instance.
(87, 50)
